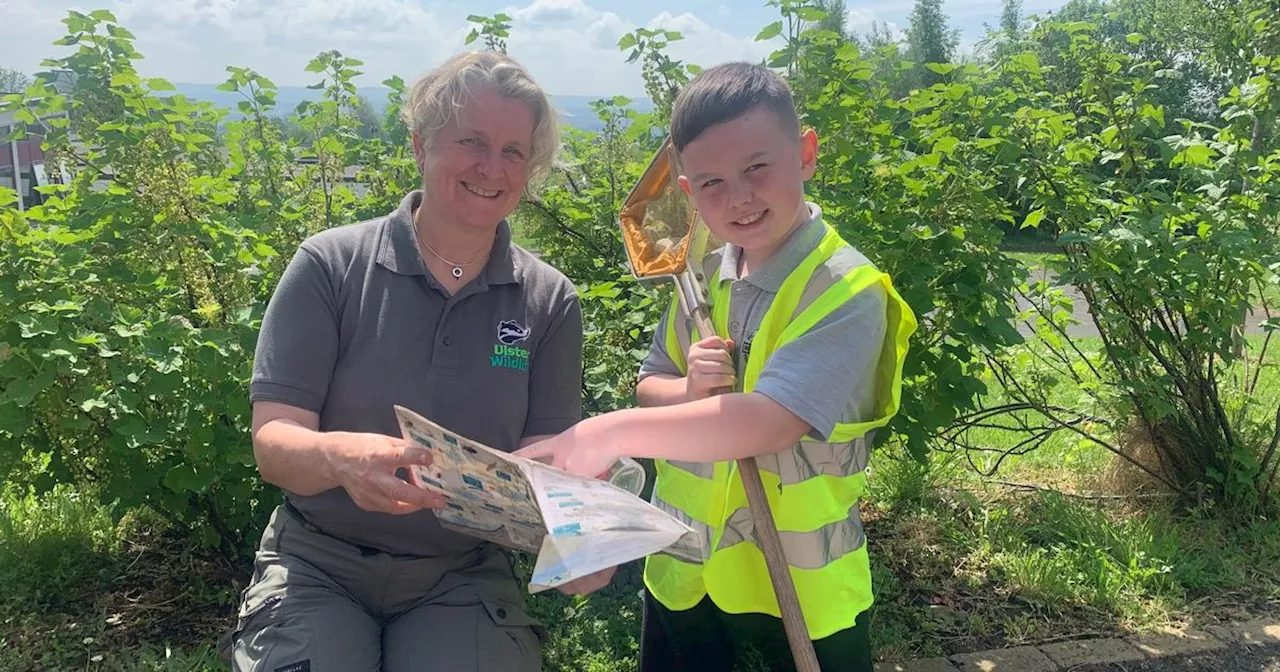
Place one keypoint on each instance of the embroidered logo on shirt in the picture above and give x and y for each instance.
(509, 357)
(511, 332)
(304, 666)
(506, 354)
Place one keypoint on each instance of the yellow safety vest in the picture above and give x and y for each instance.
(813, 489)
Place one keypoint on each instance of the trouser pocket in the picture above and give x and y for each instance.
(508, 638)
(251, 636)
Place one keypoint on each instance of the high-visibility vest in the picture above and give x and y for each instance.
(813, 488)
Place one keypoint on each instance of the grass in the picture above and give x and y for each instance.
(81, 591)
(963, 562)
(961, 570)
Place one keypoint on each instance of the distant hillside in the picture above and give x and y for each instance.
(575, 110)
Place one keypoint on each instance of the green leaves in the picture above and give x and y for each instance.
(1194, 156)
(769, 32)
(946, 144)
(128, 315)
(1033, 219)
(811, 14)
(185, 479)
(493, 29)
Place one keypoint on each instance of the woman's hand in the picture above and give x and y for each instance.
(590, 583)
(365, 466)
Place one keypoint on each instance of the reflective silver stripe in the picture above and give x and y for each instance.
(700, 469)
(684, 327)
(814, 458)
(688, 548)
(828, 273)
(804, 550)
(694, 547)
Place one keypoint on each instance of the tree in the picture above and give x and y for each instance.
(13, 81)
(1011, 18)
(288, 128)
(370, 124)
(837, 18)
(929, 40)
(880, 36)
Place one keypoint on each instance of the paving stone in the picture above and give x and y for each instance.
(1259, 631)
(1175, 642)
(922, 665)
(1091, 651)
(1020, 659)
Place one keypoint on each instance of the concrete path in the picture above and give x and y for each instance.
(1084, 324)
(1249, 646)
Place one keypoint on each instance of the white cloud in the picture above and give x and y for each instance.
(40, 24)
(569, 45)
(552, 11)
(862, 20)
(707, 46)
(577, 54)
(194, 40)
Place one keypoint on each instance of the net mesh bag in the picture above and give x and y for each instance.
(656, 220)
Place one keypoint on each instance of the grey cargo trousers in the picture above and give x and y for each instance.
(319, 604)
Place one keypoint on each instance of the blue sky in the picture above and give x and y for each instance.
(569, 45)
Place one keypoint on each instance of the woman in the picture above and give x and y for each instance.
(354, 572)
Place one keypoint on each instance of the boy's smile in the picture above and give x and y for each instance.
(746, 177)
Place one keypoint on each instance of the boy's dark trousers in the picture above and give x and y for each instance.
(706, 639)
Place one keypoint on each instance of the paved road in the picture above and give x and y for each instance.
(1084, 324)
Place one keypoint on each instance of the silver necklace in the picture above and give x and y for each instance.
(457, 268)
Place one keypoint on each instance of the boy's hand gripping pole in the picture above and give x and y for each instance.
(770, 543)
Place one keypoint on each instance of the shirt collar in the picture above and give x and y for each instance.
(399, 247)
(798, 244)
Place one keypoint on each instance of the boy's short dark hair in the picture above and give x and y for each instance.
(725, 92)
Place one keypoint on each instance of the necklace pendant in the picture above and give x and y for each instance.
(457, 272)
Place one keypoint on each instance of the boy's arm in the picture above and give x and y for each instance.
(725, 427)
(659, 382)
(661, 390)
(804, 389)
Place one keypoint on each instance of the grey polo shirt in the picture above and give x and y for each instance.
(825, 376)
(357, 325)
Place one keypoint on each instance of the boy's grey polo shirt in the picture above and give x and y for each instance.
(357, 325)
(825, 376)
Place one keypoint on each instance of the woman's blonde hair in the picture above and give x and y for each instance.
(437, 96)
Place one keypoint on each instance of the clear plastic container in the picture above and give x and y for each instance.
(627, 474)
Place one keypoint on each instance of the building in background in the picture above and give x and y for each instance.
(22, 162)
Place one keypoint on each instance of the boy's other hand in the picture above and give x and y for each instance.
(578, 450)
(710, 368)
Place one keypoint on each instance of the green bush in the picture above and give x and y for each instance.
(130, 300)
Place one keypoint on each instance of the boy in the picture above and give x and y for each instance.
(822, 336)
